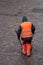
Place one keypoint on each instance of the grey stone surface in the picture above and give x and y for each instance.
(11, 12)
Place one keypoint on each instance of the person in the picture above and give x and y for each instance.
(26, 31)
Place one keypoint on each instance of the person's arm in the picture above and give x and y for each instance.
(33, 28)
(19, 32)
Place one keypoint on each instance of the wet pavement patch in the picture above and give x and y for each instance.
(36, 10)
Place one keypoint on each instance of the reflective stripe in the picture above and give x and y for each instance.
(30, 35)
(27, 31)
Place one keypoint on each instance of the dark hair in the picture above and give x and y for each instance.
(24, 18)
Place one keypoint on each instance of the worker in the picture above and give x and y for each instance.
(26, 31)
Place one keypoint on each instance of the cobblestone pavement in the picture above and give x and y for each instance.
(11, 12)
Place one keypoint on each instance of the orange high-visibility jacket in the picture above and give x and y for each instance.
(26, 29)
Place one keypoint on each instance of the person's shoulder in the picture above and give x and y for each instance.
(22, 23)
(29, 22)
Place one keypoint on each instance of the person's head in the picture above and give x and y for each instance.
(24, 18)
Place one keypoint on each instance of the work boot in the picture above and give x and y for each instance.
(28, 53)
(23, 53)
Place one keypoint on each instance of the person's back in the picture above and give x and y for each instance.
(26, 29)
